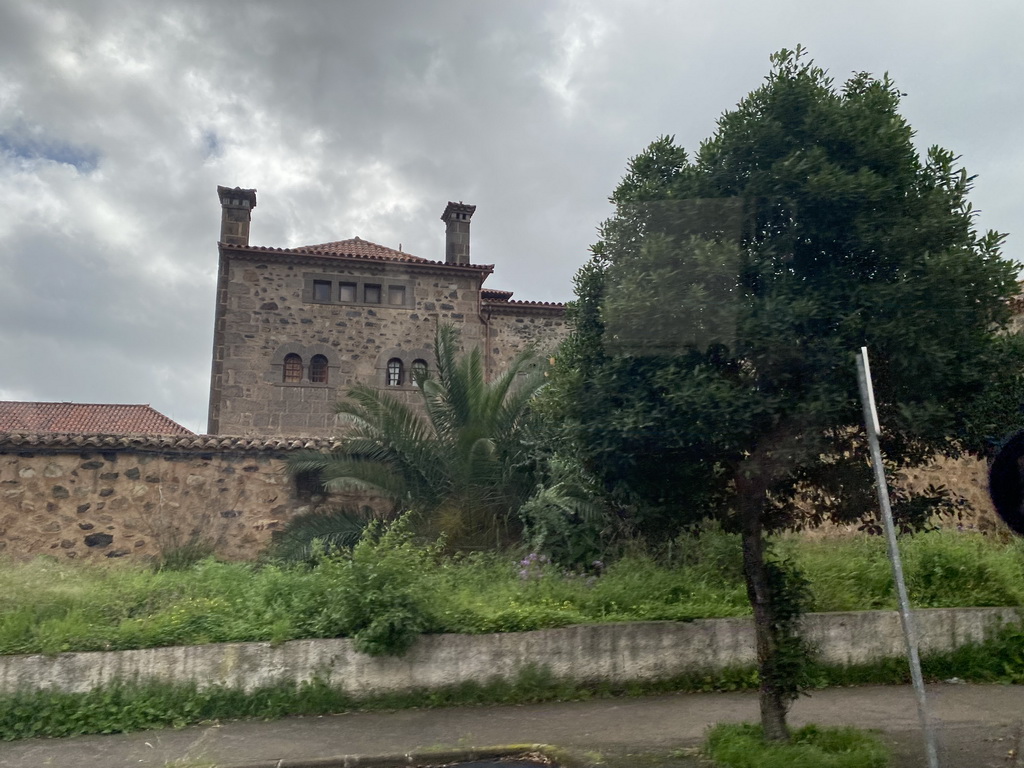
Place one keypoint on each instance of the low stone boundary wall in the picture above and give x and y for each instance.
(124, 498)
(121, 498)
(593, 652)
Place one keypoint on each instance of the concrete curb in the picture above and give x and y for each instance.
(563, 758)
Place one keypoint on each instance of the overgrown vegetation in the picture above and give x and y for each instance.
(742, 746)
(389, 589)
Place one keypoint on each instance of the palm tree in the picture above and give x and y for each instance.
(458, 460)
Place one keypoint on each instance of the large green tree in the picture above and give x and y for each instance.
(711, 368)
(457, 458)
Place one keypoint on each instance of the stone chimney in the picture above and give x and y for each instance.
(456, 237)
(236, 209)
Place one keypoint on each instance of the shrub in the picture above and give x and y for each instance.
(378, 595)
(742, 746)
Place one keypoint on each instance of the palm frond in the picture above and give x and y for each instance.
(337, 529)
(357, 473)
(460, 451)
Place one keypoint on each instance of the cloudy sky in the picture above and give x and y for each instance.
(119, 119)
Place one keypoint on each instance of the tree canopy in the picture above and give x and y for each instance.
(711, 367)
(728, 294)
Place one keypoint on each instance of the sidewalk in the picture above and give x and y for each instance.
(978, 726)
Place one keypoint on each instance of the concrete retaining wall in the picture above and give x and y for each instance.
(595, 652)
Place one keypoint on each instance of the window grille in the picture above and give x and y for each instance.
(394, 372)
(318, 370)
(292, 368)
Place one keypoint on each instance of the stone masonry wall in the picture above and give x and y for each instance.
(967, 478)
(513, 328)
(114, 498)
(271, 311)
(103, 499)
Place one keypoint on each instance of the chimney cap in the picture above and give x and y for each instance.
(236, 197)
(455, 208)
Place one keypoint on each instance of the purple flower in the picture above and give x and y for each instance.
(532, 566)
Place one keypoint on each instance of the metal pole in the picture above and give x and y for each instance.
(867, 396)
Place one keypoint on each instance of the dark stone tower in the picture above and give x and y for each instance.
(456, 239)
(236, 210)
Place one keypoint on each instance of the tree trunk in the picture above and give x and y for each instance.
(751, 493)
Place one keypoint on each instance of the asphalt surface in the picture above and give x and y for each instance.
(978, 726)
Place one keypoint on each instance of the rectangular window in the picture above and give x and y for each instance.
(321, 290)
(371, 294)
(347, 292)
(396, 295)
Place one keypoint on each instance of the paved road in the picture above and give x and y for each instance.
(979, 727)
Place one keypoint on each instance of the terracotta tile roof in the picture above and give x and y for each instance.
(551, 304)
(82, 418)
(358, 247)
(492, 294)
(190, 442)
(492, 303)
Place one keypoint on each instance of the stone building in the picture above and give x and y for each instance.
(295, 328)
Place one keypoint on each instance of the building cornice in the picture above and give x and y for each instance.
(320, 258)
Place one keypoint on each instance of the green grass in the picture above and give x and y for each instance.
(48, 606)
(742, 746)
(943, 569)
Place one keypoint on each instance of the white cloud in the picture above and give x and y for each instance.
(118, 119)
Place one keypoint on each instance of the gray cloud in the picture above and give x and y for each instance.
(118, 120)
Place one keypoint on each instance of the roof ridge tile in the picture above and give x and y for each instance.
(242, 443)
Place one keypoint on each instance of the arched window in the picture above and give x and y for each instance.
(394, 372)
(318, 370)
(292, 368)
(418, 371)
